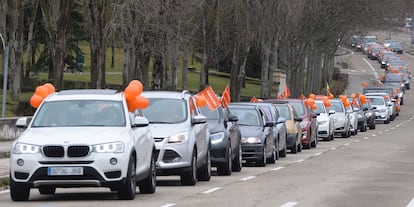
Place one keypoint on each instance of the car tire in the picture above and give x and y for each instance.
(19, 191)
(300, 147)
(226, 168)
(47, 190)
(189, 176)
(387, 121)
(283, 152)
(314, 143)
(272, 159)
(261, 162)
(238, 160)
(401, 101)
(148, 185)
(127, 190)
(204, 174)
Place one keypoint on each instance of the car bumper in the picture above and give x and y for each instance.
(291, 140)
(252, 152)
(96, 170)
(323, 130)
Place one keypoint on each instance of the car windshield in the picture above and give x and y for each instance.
(298, 107)
(283, 111)
(72, 113)
(211, 115)
(320, 108)
(376, 101)
(165, 110)
(336, 106)
(247, 116)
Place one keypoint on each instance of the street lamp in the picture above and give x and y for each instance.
(6, 65)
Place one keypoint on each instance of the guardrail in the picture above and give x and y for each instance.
(8, 130)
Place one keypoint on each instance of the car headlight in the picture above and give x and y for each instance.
(304, 124)
(251, 140)
(383, 62)
(368, 114)
(217, 137)
(177, 138)
(22, 148)
(113, 147)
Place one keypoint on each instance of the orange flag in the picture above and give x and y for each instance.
(225, 97)
(253, 99)
(285, 94)
(211, 98)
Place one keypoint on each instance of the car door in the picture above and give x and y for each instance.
(200, 130)
(144, 143)
(269, 134)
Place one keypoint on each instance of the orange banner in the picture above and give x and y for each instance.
(211, 98)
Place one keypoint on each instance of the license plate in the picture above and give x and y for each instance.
(65, 171)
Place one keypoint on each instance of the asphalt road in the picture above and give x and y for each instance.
(373, 168)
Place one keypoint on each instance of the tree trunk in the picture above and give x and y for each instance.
(184, 69)
(157, 72)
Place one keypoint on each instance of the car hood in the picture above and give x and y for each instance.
(166, 130)
(251, 131)
(215, 126)
(323, 117)
(73, 135)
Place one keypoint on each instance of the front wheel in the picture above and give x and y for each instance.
(238, 160)
(19, 191)
(226, 168)
(205, 172)
(128, 189)
(189, 177)
(148, 185)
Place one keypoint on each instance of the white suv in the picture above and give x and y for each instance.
(83, 138)
(181, 135)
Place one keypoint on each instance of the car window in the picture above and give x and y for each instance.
(80, 113)
(247, 116)
(283, 111)
(211, 115)
(376, 101)
(336, 106)
(320, 108)
(165, 110)
(298, 107)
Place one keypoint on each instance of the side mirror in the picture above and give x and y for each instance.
(298, 119)
(233, 118)
(373, 108)
(198, 119)
(269, 124)
(330, 112)
(140, 121)
(281, 120)
(21, 122)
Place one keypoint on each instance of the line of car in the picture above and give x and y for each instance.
(92, 138)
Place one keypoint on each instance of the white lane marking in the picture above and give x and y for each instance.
(277, 168)
(317, 154)
(248, 178)
(374, 135)
(297, 161)
(392, 127)
(372, 68)
(411, 203)
(379, 132)
(366, 137)
(4, 191)
(168, 205)
(333, 148)
(356, 141)
(211, 190)
(289, 204)
(346, 144)
(398, 125)
(387, 130)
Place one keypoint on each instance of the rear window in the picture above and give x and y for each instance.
(298, 107)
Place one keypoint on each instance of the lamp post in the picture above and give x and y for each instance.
(6, 65)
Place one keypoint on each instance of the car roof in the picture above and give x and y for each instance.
(167, 94)
(86, 94)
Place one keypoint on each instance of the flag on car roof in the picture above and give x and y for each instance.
(211, 98)
(225, 97)
(285, 94)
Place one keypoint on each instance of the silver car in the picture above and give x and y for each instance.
(181, 135)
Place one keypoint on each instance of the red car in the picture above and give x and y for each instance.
(308, 123)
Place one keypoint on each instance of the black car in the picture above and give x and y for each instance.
(369, 114)
(279, 128)
(257, 136)
(225, 135)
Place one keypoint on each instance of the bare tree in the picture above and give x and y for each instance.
(56, 15)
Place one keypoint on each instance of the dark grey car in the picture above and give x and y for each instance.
(225, 135)
(258, 139)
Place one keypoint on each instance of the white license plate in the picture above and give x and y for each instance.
(65, 171)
